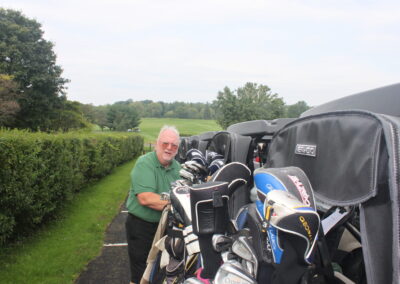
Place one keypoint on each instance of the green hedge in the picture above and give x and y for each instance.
(38, 172)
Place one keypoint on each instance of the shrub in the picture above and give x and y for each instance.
(38, 172)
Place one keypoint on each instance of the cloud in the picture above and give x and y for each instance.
(189, 50)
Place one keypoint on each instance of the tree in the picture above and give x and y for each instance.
(296, 109)
(226, 108)
(121, 116)
(9, 106)
(30, 59)
(70, 117)
(250, 102)
(207, 112)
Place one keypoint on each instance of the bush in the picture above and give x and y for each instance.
(38, 172)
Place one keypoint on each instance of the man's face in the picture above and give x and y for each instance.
(167, 147)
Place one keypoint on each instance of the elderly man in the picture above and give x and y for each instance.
(152, 175)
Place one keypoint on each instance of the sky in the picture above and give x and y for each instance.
(185, 50)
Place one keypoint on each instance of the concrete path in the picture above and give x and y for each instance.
(112, 265)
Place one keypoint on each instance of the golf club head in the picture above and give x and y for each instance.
(211, 156)
(185, 174)
(195, 166)
(221, 242)
(196, 155)
(193, 280)
(232, 272)
(243, 248)
(215, 165)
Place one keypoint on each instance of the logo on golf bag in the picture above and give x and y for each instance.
(306, 150)
(302, 191)
(306, 227)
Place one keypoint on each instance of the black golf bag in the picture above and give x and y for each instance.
(352, 161)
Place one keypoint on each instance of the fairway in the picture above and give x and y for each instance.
(149, 127)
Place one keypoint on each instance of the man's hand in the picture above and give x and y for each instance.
(151, 200)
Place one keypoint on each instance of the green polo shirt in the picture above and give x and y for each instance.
(148, 175)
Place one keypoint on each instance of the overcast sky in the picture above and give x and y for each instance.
(173, 50)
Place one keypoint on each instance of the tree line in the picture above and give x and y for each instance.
(33, 91)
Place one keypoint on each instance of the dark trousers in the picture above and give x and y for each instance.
(139, 234)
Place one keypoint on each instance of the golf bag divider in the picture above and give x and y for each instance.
(209, 202)
(234, 148)
(351, 159)
(239, 178)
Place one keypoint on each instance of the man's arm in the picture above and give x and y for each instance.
(151, 200)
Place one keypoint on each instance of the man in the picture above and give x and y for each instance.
(152, 175)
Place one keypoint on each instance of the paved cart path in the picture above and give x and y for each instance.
(112, 265)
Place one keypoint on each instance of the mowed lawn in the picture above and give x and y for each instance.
(149, 127)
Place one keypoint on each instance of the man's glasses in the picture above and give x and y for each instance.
(165, 145)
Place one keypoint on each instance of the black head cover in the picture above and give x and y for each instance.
(235, 174)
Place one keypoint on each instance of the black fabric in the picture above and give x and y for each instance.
(381, 100)
(184, 146)
(292, 266)
(377, 235)
(258, 235)
(304, 224)
(209, 206)
(234, 148)
(139, 234)
(238, 189)
(353, 160)
(346, 147)
(211, 259)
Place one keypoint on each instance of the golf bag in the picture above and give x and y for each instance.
(284, 225)
(352, 161)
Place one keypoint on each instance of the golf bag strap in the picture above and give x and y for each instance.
(325, 259)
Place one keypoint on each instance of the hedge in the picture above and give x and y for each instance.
(39, 172)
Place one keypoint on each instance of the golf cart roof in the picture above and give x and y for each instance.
(257, 128)
(385, 100)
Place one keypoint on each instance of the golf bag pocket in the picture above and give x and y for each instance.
(209, 205)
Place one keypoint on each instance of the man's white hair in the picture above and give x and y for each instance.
(168, 127)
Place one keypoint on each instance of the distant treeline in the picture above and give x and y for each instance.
(125, 115)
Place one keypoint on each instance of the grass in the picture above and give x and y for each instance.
(62, 248)
(149, 127)
(59, 251)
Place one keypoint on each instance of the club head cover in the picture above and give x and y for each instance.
(294, 181)
(215, 165)
(196, 167)
(290, 215)
(290, 179)
(235, 173)
(211, 156)
(196, 155)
